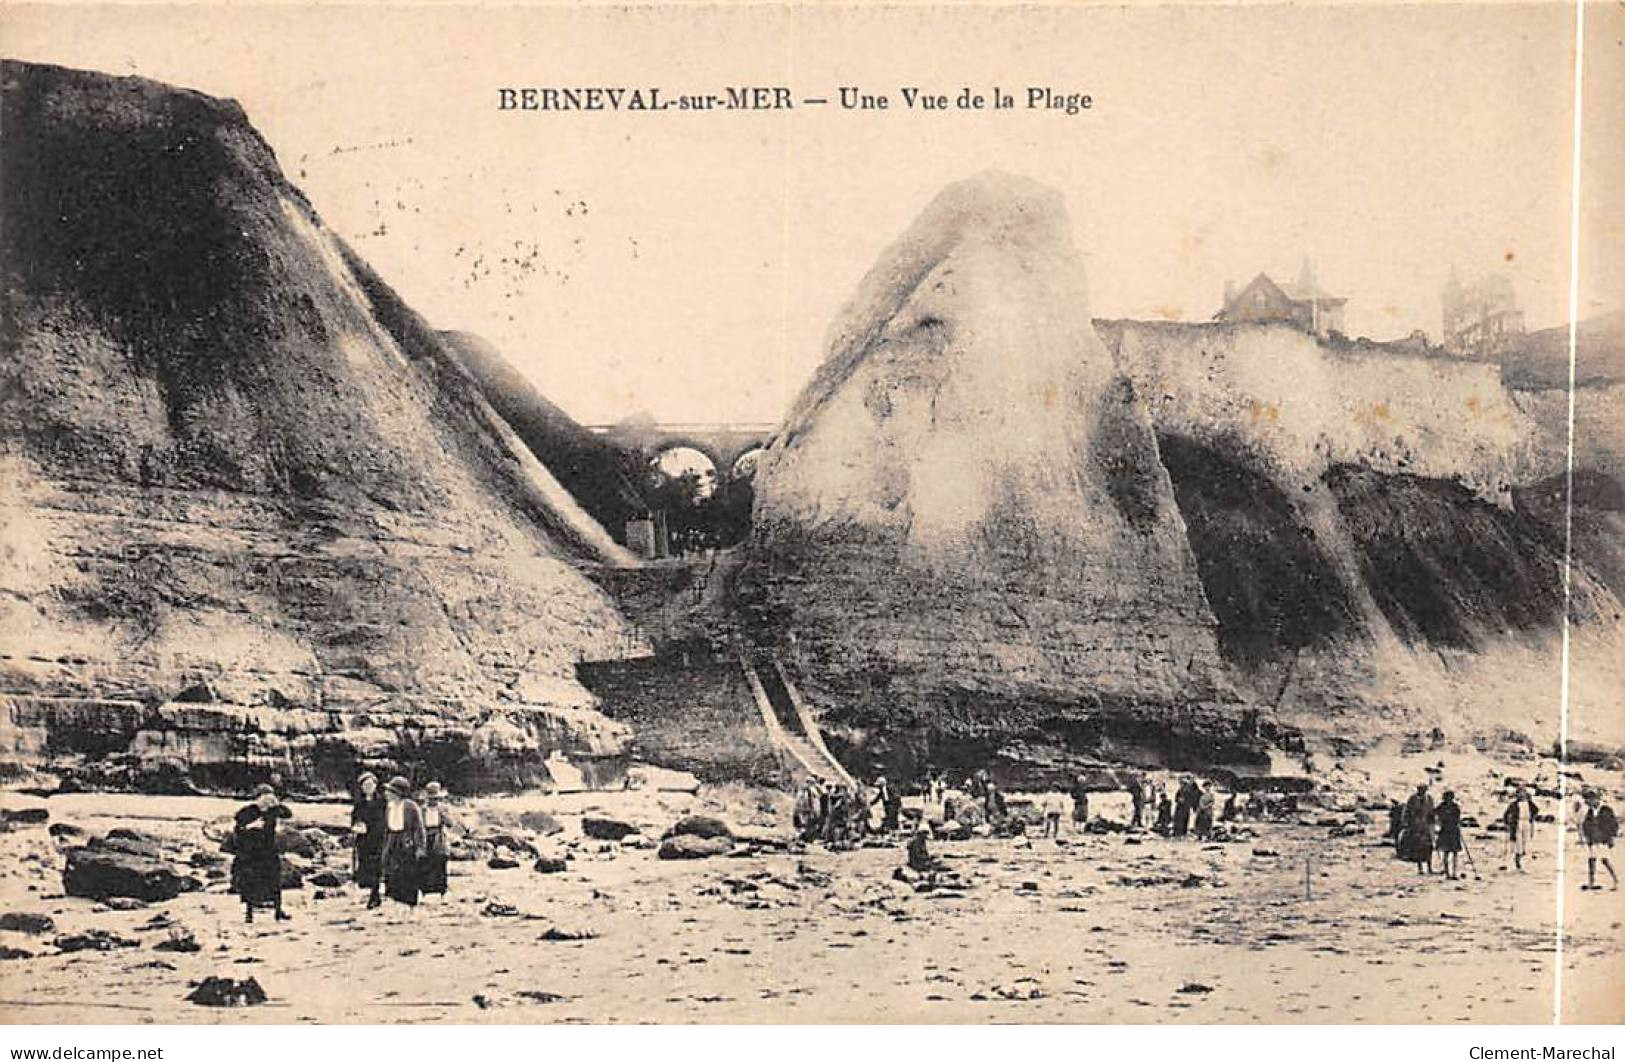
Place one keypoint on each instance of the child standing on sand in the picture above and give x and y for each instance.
(1599, 828)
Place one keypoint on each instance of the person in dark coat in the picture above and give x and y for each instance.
(1416, 842)
(1396, 822)
(367, 828)
(437, 826)
(1185, 801)
(1599, 829)
(1448, 816)
(1080, 802)
(1136, 797)
(256, 870)
(1165, 815)
(405, 843)
(1205, 801)
(891, 804)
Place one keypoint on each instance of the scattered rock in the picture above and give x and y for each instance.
(180, 939)
(699, 826)
(540, 823)
(9, 952)
(639, 841)
(100, 873)
(550, 865)
(24, 922)
(494, 909)
(557, 933)
(65, 829)
(94, 940)
(1195, 988)
(123, 903)
(499, 862)
(535, 995)
(24, 816)
(227, 992)
(606, 829)
(327, 879)
(691, 846)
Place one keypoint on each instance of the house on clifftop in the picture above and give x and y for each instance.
(1302, 305)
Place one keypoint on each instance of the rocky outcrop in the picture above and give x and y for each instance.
(984, 526)
(964, 524)
(1380, 531)
(256, 520)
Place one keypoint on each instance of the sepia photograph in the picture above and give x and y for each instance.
(818, 514)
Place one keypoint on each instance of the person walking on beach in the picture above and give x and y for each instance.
(1519, 819)
(1054, 805)
(1184, 806)
(1396, 822)
(256, 867)
(1416, 842)
(437, 826)
(367, 829)
(1599, 828)
(1136, 795)
(1448, 815)
(1204, 812)
(1080, 803)
(993, 803)
(405, 843)
(891, 804)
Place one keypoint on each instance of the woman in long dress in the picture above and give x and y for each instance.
(405, 843)
(1449, 839)
(1416, 841)
(437, 825)
(367, 827)
(256, 869)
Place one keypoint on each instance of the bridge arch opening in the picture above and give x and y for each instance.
(679, 462)
(744, 466)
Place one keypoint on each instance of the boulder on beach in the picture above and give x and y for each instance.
(699, 826)
(102, 872)
(692, 846)
(601, 828)
(26, 922)
(227, 992)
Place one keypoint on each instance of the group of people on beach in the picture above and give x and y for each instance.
(837, 813)
(1418, 828)
(400, 847)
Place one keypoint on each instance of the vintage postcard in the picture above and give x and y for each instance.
(812, 513)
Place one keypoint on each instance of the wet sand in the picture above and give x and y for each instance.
(1290, 926)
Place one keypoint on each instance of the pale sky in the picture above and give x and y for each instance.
(689, 264)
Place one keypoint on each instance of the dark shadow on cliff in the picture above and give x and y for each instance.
(1269, 583)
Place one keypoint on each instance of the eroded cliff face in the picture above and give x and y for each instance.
(964, 525)
(255, 519)
(1381, 533)
(983, 525)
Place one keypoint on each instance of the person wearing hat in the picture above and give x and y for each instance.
(256, 868)
(1599, 828)
(367, 825)
(437, 825)
(405, 843)
(891, 804)
(1519, 820)
(1448, 816)
(1416, 842)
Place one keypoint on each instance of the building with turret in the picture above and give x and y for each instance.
(1302, 304)
(1478, 317)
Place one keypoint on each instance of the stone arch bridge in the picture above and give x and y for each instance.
(724, 443)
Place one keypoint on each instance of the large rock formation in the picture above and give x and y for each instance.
(963, 525)
(982, 525)
(1381, 532)
(255, 518)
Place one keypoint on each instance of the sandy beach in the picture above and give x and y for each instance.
(1289, 925)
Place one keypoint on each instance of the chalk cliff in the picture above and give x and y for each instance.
(964, 525)
(256, 520)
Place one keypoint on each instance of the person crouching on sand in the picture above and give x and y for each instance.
(1448, 816)
(405, 843)
(256, 870)
(1599, 828)
(437, 826)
